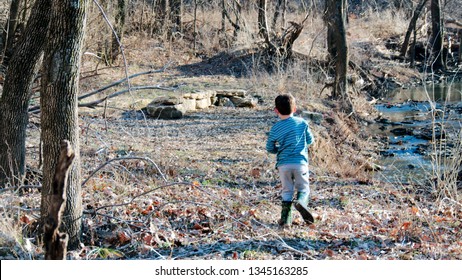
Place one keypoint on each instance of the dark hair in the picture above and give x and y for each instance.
(285, 103)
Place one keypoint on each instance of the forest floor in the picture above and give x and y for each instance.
(203, 187)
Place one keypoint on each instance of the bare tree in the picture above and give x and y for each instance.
(58, 102)
(119, 24)
(19, 78)
(412, 26)
(437, 35)
(262, 20)
(280, 8)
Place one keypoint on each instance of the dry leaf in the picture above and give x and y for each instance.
(406, 225)
(147, 239)
(123, 237)
(25, 219)
(256, 173)
(197, 227)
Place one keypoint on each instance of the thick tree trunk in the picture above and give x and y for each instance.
(437, 35)
(337, 44)
(58, 102)
(14, 102)
(411, 28)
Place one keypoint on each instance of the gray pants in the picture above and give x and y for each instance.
(294, 177)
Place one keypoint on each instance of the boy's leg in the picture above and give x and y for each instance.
(302, 184)
(286, 176)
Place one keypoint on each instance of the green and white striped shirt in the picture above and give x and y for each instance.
(289, 139)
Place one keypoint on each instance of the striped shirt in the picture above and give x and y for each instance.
(289, 139)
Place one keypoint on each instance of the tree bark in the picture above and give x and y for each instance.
(55, 241)
(411, 28)
(277, 11)
(459, 59)
(176, 11)
(19, 78)
(262, 20)
(9, 31)
(437, 35)
(162, 10)
(335, 18)
(59, 118)
(119, 23)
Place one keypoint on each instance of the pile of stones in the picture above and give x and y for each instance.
(175, 107)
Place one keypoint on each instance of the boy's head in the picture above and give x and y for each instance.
(285, 104)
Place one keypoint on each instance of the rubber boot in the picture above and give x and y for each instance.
(286, 214)
(301, 205)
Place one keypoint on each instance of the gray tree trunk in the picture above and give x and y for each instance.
(20, 75)
(58, 102)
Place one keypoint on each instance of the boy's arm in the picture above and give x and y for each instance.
(309, 136)
(271, 144)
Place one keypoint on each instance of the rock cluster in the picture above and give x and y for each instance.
(174, 107)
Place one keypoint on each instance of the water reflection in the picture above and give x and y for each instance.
(433, 92)
(406, 129)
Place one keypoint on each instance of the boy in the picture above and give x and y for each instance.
(289, 139)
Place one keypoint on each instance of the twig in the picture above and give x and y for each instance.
(36, 109)
(96, 102)
(282, 240)
(19, 208)
(21, 187)
(124, 158)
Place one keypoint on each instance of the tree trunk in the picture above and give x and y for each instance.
(262, 21)
(119, 23)
(59, 118)
(55, 241)
(176, 11)
(162, 16)
(437, 36)
(459, 58)
(20, 75)
(9, 32)
(337, 44)
(411, 28)
(277, 11)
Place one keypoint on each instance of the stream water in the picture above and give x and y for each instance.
(411, 120)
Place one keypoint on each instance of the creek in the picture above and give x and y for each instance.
(416, 126)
